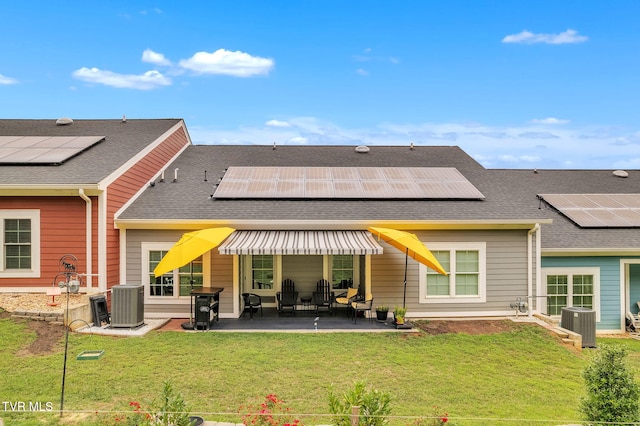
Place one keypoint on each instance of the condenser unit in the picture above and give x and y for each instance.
(127, 305)
(581, 321)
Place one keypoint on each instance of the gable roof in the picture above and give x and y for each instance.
(563, 236)
(123, 140)
(189, 199)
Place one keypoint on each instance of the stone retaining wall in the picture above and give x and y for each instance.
(56, 318)
(79, 315)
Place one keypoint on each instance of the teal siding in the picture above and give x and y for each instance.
(610, 295)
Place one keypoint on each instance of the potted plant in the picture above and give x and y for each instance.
(381, 312)
(398, 314)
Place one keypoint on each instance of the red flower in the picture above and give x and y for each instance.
(444, 419)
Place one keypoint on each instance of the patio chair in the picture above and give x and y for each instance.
(287, 298)
(632, 322)
(363, 307)
(251, 303)
(347, 298)
(324, 296)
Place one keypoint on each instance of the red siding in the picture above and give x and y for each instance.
(62, 231)
(127, 185)
(63, 219)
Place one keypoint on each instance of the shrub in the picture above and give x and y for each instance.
(374, 405)
(612, 391)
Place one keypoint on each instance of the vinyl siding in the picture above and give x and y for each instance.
(506, 273)
(221, 271)
(610, 297)
(121, 190)
(62, 231)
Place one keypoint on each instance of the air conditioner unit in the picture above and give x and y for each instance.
(127, 305)
(581, 321)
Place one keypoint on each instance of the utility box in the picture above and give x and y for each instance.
(127, 305)
(581, 321)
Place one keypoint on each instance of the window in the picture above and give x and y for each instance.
(342, 267)
(20, 243)
(17, 243)
(465, 264)
(174, 283)
(571, 287)
(262, 272)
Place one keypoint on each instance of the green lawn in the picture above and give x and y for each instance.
(524, 375)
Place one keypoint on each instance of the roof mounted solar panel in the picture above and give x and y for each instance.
(345, 183)
(597, 210)
(43, 150)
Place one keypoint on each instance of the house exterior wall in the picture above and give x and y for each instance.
(305, 271)
(610, 284)
(219, 274)
(506, 274)
(62, 231)
(122, 189)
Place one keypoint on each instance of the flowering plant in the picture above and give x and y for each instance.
(437, 418)
(270, 412)
(169, 409)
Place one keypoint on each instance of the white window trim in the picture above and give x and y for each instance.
(151, 300)
(481, 248)
(570, 271)
(34, 215)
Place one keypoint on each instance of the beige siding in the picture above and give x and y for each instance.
(221, 270)
(506, 272)
(305, 271)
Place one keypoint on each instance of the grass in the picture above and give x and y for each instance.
(515, 378)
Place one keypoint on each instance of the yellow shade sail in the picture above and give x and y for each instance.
(191, 246)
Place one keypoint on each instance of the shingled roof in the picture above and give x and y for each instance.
(123, 140)
(563, 234)
(189, 199)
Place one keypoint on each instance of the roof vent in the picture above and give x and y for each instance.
(362, 149)
(620, 173)
(63, 121)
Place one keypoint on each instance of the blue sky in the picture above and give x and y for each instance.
(516, 84)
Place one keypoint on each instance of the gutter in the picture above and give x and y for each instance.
(89, 250)
(267, 224)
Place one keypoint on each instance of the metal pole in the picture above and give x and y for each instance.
(406, 263)
(66, 345)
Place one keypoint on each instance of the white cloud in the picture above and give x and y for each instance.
(568, 37)
(236, 64)
(362, 72)
(277, 123)
(152, 57)
(147, 81)
(549, 120)
(7, 80)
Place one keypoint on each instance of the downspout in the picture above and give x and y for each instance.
(89, 241)
(535, 229)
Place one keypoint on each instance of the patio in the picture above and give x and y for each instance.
(271, 322)
(300, 322)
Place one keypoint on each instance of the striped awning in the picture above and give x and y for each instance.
(300, 242)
